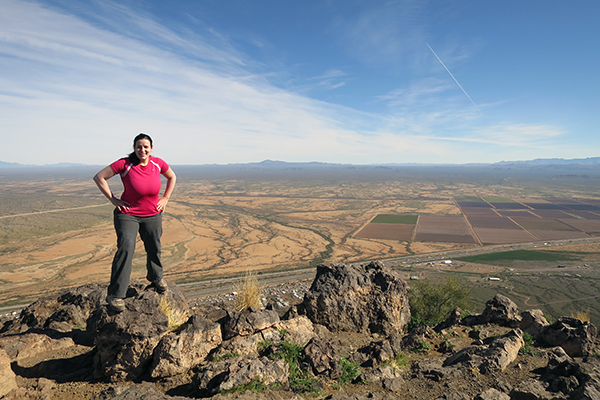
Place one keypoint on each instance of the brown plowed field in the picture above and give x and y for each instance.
(454, 223)
(546, 206)
(443, 238)
(448, 229)
(402, 232)
(543, 224)
(551, 213)
(515, 213)
(556, 235)
(586, 214)
(478, 210)
(479, 221)
(583, 224)
(509, 206)
(501, 236)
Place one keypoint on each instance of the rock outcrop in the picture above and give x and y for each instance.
(365, 298)
(64, 312)
(576, 337)
(350, 327)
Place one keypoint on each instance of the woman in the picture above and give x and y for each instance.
(138, 210)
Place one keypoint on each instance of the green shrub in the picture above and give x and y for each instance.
(432, 303)
(350, 371)
(401, 360)
(528, 340)
(422, 347)
(301, 380)
(254, 386)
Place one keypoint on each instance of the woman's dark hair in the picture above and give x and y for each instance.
(133, 158)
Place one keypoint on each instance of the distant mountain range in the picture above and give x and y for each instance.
(539, 162)
(554, 161)
(59, 165)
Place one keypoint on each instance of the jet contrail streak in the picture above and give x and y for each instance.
(461, 88)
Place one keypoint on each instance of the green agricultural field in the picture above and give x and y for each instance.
(522, 255)
(468, 198)
(395, 219)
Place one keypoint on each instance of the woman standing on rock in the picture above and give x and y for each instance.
(138, 210)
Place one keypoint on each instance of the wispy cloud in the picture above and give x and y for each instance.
(81, 84)
(383, 33)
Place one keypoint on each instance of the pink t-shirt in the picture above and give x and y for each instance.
(141, 183)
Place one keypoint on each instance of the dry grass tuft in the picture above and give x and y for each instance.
(249, 292)
(176, 317)
(583, 316)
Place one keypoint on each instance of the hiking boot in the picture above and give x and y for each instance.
(116, 304)
(160, 286)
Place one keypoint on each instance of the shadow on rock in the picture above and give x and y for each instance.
(75, 369)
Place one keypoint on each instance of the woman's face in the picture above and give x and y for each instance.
(142, 149)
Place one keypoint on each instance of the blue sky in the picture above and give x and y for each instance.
(341, 81)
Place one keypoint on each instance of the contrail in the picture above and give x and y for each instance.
(461, 88)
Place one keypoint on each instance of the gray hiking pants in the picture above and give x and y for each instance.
(127, 228)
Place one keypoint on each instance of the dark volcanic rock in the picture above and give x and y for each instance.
(533, 322)
(63, 312)
(322, 358)
(226, 375)
(126, 341)
(248, 321)
(143, 391)
(455, 318)
(577, 338)
(178, 352)
(502, 311)
(489, 358)
(362, 298)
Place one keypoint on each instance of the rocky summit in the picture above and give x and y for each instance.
(348, 338)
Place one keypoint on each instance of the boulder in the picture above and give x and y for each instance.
(532, 389)
(358, 298)
(226, 375)
(63, 312)
(322, 358)
(141, 391)
(502, 311)
(8, 379)
(502, 351)
(492, 394)
(454, 319)
(577, 378)
(240, 346)
(388, 376)
(299, 330)
(489, 358)
(420, 334)
(374, 354)
(435, 370)
(533, 322)
(177, 352)
(28, 345)
(126, 341)
(248, 322)
(576, 337)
